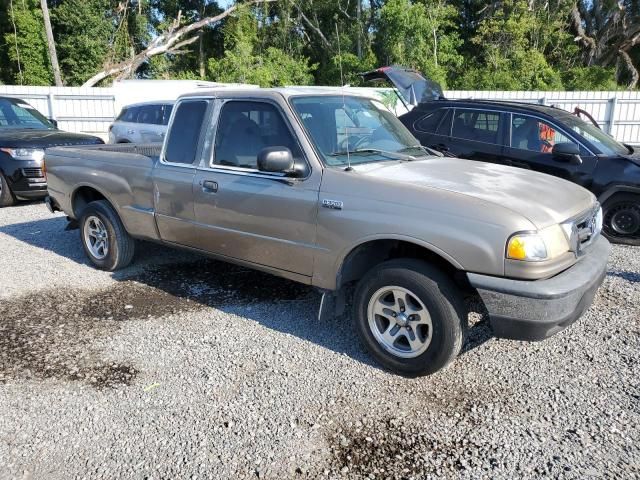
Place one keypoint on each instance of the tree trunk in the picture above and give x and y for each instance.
(53, 56)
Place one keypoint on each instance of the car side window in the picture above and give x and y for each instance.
(245, 128)
(530, 133)
(476, 125)
(445, 124)
(150, 114)
(131, 114)
(429, 122)
(182, 139)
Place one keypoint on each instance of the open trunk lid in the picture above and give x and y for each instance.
(412, 86)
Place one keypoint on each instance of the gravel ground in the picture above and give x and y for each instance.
(182, 367)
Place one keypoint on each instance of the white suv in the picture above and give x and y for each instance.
(141, 123)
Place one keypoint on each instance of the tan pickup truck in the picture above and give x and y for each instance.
(333, 191)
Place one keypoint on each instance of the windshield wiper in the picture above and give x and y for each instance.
(386, 153)
(429, 150)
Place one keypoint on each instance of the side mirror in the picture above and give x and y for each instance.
(276, 160)
(54, 122)
(567, 152)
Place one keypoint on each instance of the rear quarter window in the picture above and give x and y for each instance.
(429, 123)
(184, 133)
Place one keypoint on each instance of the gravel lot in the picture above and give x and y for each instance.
(182, 367)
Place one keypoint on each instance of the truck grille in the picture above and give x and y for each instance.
(33, 172)
(584, 230)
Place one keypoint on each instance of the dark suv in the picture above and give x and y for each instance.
(24, 135)
(536, 137)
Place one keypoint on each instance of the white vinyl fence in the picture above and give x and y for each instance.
(76, 109)
(91, 110)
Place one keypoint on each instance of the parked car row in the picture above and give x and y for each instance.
(333, 191)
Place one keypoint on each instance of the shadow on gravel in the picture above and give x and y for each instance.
(633, 277)
(57, 334)
(50, 234)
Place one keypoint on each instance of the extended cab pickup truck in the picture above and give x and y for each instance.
(333, 191)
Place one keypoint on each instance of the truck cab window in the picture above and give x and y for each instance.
(245, 128)
(182, 139)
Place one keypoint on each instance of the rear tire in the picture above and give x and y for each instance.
(410, 316)
(104, 238)
(6, 195)
(621, 219)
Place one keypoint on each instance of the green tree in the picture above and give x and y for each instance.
(83, 31)
(511, 42)
(245, 61)
(422, 35)
(25, 45)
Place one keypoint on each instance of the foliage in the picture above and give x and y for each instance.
(470, 44)
(83, 31)
(245, 62)
(590, 78)
(512, 52)
(420, 35)
(26, 46)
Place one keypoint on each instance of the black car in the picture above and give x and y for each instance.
(537, 137)
(24, 135)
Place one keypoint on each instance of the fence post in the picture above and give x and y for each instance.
(543, 101)
(50, 103)
(612, 113)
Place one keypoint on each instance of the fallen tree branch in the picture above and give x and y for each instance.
(167, 42)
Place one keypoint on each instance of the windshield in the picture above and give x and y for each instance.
(20, 115)
(603, 142)
(359, 130)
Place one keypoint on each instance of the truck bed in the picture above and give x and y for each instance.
(122, 173)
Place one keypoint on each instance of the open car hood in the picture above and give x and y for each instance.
(411, 84)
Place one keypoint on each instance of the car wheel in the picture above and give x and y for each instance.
(622, 219)
(410, 317)
(104, 238)
(6, 195)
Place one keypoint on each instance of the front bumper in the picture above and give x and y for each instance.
(538, 309)
(28, 181)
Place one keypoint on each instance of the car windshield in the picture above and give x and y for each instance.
(20, 115)
(356, 130)
(603, 142)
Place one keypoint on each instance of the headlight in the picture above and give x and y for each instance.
(526, 246)
(538, 246)
(25, 153)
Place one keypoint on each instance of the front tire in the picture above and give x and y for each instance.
(6, 195)
(104, 238)
(621, 219)
(410, 317)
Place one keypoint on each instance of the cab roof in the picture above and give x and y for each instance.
(285, 92)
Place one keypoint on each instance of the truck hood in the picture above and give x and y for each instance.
(30, 138)
(542, 199)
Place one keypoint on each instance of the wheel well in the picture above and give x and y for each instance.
(367, 255)
(82, 197)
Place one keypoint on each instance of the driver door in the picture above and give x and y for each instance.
(530, 143)
(255, 216)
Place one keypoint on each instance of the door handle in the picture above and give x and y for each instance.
(209, 186)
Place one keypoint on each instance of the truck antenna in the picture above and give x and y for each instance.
(344, 103)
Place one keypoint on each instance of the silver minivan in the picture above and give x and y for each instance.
(141, 123)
